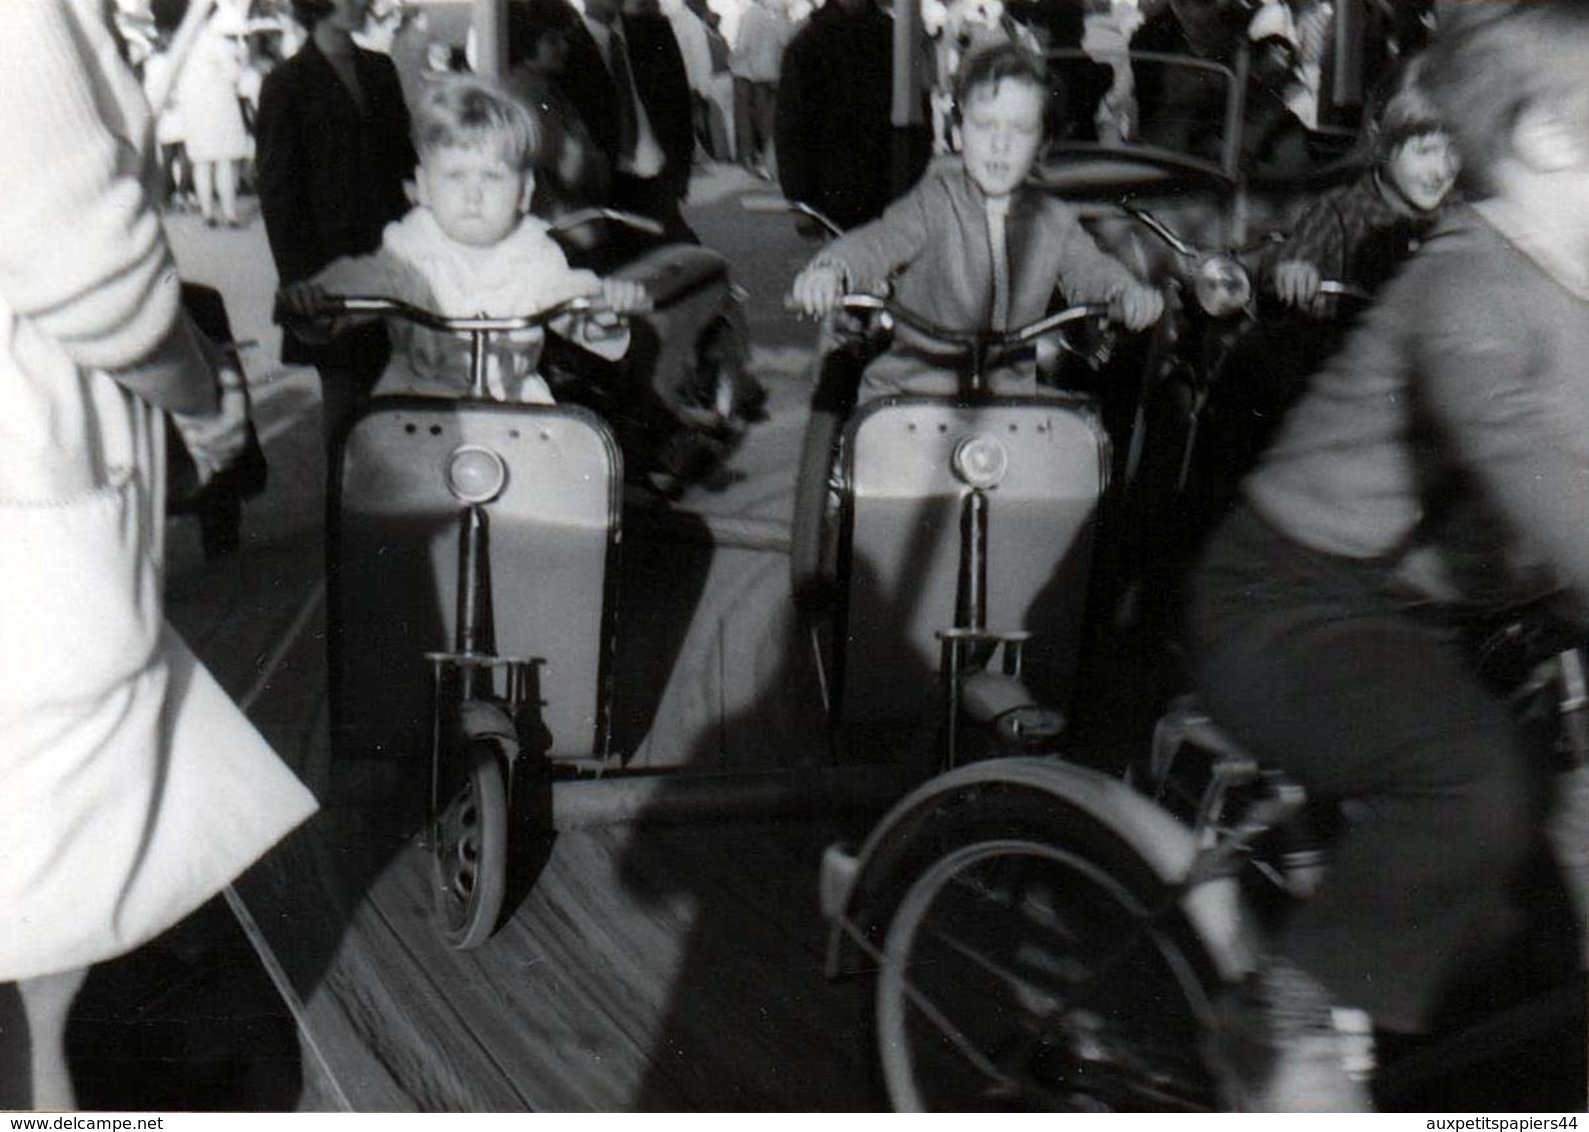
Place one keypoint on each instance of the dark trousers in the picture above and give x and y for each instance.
(651, 196)
(711, 132)
(755, 109)
(342, 390)
(1310, 661)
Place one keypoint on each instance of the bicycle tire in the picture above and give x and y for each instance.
(1088, 993)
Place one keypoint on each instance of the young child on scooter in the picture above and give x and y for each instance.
(471, 247)
(975, 245)
(1435, 467)
(1361, 233)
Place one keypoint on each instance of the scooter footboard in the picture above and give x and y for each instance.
(551, 539)
(904, 549)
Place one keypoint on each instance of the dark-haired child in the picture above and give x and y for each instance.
(1360, 234)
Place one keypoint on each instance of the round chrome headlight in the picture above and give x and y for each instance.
(1222, 286)
(980, 461)
(476, 474)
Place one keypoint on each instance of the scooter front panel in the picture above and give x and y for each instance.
(905, 538)
(551, 532)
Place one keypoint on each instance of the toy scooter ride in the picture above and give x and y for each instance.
(941, 545)
(962, 535)
(1228, 363)
(429, 494)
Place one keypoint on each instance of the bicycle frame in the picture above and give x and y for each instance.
(940, 845)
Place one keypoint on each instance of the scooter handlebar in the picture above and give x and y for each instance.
(339, 306)
(967, 339)
(772, 202)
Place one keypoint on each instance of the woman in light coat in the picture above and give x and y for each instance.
(134, 789)
(217, 137)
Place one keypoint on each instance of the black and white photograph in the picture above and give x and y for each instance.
(784, 556)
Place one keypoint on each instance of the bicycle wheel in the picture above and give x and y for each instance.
(470, 850)
(1028, 973)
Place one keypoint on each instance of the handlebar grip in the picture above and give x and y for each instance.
(851, 303)
(1344, 290)
(857, 303)
(771, 202)
(336, 306)
(765, 202)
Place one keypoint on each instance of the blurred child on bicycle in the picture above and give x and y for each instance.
(470, 247)
(1434, 470)
(975, 245)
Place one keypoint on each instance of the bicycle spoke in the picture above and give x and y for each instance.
(1005, 958)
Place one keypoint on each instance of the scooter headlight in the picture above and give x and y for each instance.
(475, 474)
(1222, 286)
(980, 461)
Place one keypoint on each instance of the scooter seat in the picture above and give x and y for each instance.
(671, 272)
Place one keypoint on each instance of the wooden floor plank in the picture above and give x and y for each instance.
(756, 956)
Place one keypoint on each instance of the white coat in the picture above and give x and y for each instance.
(131, 788)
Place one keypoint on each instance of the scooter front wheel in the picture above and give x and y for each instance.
(812, 569)
(470, 849)
(1033, 972)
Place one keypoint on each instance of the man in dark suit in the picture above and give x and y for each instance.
(833, 129)
(626, 76)
(333, 154)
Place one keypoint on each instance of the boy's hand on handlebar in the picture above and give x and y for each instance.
(1296, 283)
(818, 289)
(1136, 306)
(625, 296)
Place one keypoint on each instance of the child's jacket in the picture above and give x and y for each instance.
(934, 243)
(1352, 234)
(524, 273)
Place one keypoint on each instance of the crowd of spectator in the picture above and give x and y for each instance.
(705, 77)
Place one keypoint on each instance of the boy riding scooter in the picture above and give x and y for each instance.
(1357, 235)
(974, 255)
(974, 245)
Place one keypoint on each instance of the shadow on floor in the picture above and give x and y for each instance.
(190, 1021)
